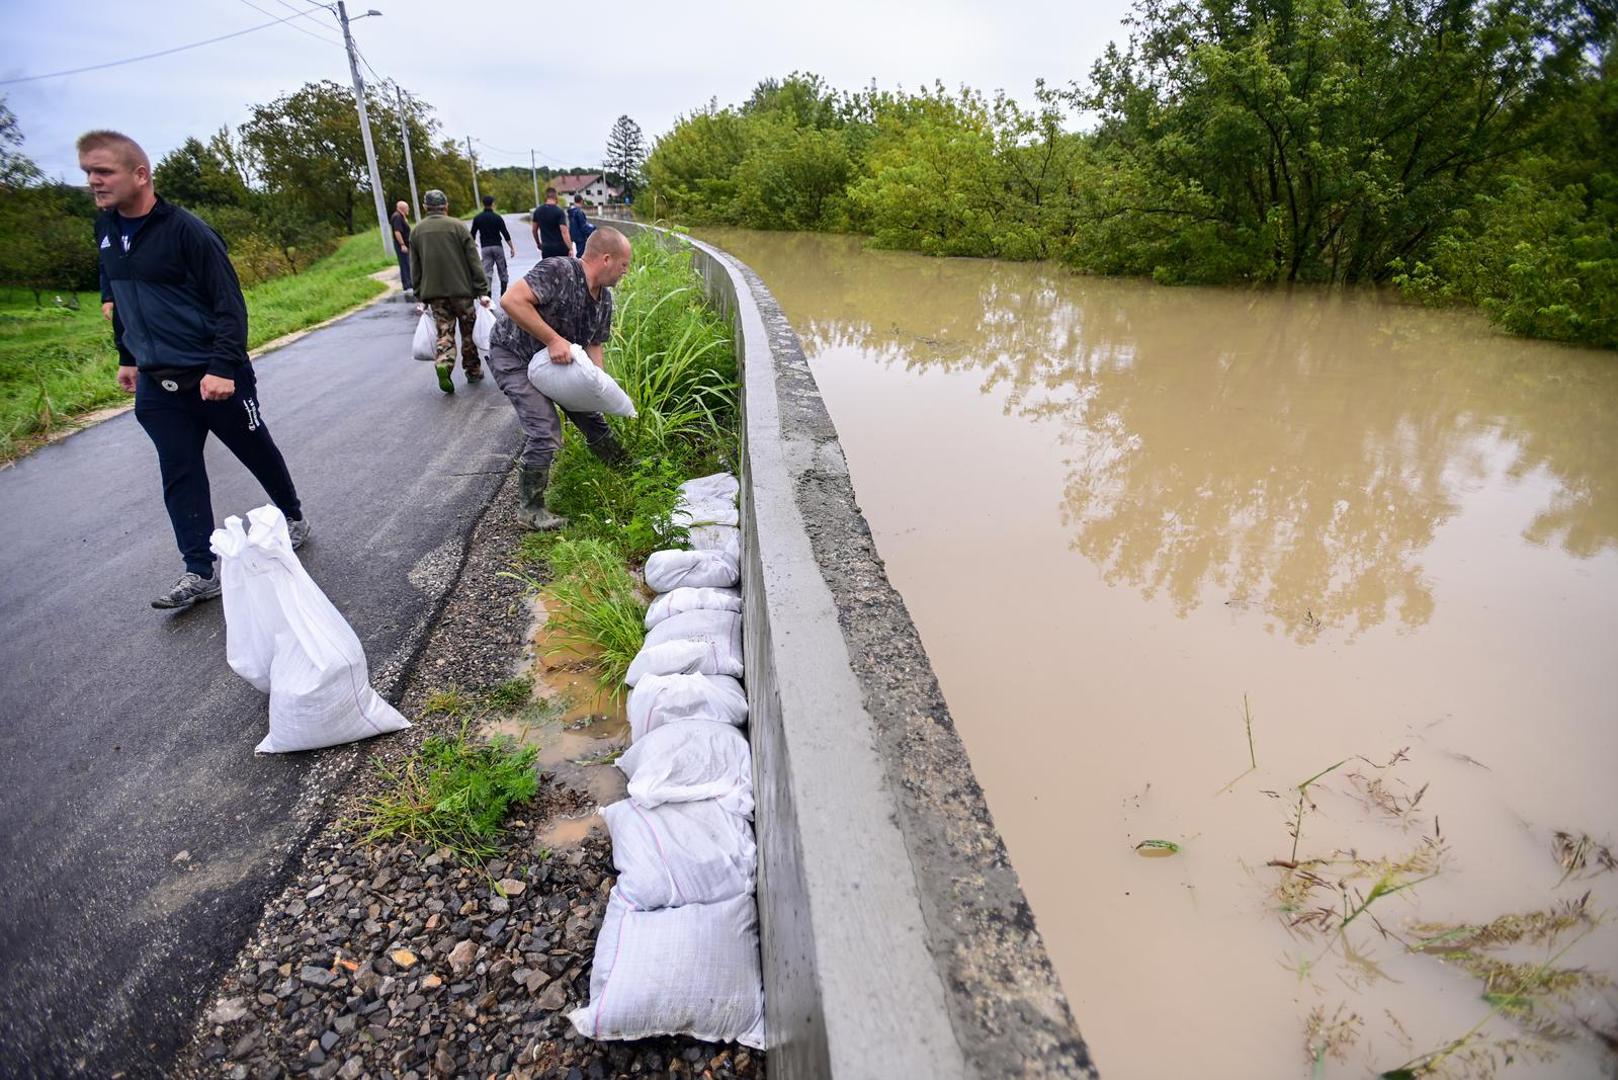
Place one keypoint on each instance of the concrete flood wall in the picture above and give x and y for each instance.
(896, 939)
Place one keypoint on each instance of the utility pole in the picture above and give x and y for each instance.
(477, 198)
(534, 171)
(365, 126)
(410, 166)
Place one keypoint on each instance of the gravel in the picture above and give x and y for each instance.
(396, 961)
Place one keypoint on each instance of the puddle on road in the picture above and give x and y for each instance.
(1117, 511)
(577, 728)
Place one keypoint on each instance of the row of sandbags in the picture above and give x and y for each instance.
(678, 949)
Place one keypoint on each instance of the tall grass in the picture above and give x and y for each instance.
(671, 353)
(594, 605)
(675, 357)
(56, 365)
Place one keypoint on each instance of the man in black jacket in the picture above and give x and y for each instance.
(487, 230)
(180, 324)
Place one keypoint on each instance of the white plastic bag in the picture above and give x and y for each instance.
(690, 970)
(667, 699)
(680, 853)
(668, 570)
(725, 538)
(689, 761)
(579, 386)
(719, 486)
(319, 686)
(680, 601)
(424, 346)
(482, 327)
(683, 658)
(246, 575)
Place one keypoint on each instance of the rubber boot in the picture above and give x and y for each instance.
(610, 451)
(531, 510)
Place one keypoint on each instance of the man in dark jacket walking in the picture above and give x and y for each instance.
(180, 324)
(488, 228)
(444, 265)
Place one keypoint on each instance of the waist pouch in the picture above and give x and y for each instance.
(175, 380)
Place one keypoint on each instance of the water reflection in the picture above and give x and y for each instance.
(1295, 454)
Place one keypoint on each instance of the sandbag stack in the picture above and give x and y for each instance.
(678, 949)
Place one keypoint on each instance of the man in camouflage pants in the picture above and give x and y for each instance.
(448, 276)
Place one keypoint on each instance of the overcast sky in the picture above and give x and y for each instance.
(518, 76)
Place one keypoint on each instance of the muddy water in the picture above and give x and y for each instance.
(1118, 511)
(576, 727)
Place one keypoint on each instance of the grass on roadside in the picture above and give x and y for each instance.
(56, 364)
(454, 792)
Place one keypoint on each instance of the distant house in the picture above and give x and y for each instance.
(593, 186)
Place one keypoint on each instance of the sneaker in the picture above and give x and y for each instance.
(474, 376)
(444, 382)
(298, 531)
(188, 590)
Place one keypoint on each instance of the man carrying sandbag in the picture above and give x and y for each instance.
(179, 322)
(447, 273)
(559, 302)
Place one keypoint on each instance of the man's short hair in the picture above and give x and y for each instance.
(579, 199)
(550, 193)
(127, 149)
(434, 200)
(488, 200)
(606, 240)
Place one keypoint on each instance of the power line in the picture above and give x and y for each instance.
(294, 26)
(311, 16)
(146, 56)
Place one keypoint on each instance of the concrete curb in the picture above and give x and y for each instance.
(896, 939)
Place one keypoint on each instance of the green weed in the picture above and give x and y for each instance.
(511, 695)
(448, 702)
(453, 792)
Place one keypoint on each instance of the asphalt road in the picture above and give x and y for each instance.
(140, 834)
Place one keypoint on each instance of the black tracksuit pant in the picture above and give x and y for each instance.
(179, 422)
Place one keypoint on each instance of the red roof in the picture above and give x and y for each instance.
(567, 185)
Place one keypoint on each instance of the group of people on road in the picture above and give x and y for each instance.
(179, 323)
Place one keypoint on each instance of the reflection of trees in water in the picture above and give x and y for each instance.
(1269, 468)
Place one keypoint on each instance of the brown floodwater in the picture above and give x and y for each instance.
(1174, 552)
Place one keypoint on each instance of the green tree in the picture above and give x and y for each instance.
(193, 175)
(689, 172)
(1314, 139)
(932, 182)
(792, 177)
(626, 155)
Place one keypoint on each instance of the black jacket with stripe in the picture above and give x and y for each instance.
(177, 304)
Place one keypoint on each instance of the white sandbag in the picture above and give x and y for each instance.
(680, 853)
(424, 345)
(688, 761)
(688, 514)
(669, 570)
(683, 658)
(724, 628)
(686, 599)
(482, 327)
(666, 699)
(580, 385)
(718, 486)
(319, 685)
(725, 538)
(690, 970)
(248, 585)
